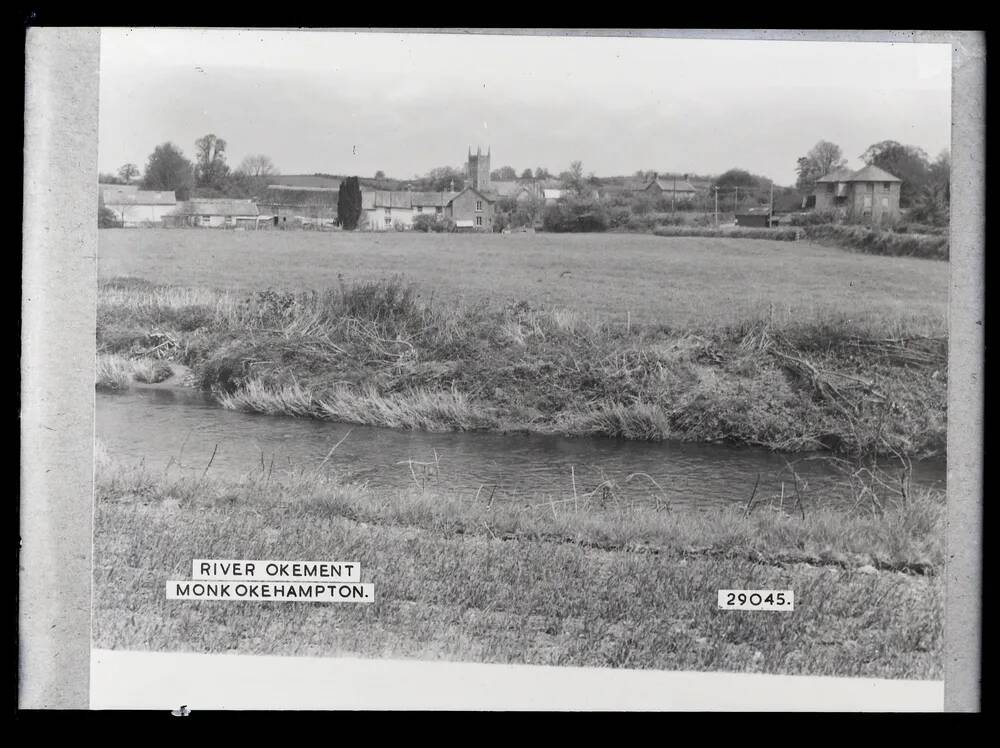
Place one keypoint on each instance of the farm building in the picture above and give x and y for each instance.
(681, 189)
(870, 194)
(134, 207)
(755, 217)
(215, 213)
(305, 205)
(394, 210)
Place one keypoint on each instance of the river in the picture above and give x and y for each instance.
(180, 429)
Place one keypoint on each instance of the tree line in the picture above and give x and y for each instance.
(208, 175)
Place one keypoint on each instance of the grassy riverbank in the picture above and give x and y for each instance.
(378, 353)
(592, 582)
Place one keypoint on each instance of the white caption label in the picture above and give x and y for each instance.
(306, 592)
(756, 600)
(280, 571)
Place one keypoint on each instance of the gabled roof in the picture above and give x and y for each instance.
(483, 195)
(872, 173)
(869, 173)
(217, 207)
(508, 188)
(127, 195)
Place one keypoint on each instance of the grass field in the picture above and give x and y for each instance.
(585, 584)
(680, 282)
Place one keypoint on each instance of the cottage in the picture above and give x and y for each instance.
(215, 213)
(134, 207)
(472, 205)
(868, 194)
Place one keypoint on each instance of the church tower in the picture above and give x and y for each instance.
(479, 170)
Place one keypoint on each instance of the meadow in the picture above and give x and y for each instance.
(680, 282)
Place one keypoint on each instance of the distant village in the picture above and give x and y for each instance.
(485, 203)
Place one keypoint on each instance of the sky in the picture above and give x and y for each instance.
(404, 103)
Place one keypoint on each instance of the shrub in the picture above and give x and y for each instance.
(881, 242)
(575, 215)
(785, 235)
(813, 218)
(106, 219)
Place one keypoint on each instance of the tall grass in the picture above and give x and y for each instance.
(377, 353)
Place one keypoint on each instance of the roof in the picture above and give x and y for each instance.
(552, 194)
(872, 173)
(306, 180)
(754, 212)
(485, 195)
(371, 199)
(507, 188)
(869, 173)
(667, 184)
(432, 199)
(217, 207)
(125, 195)
(297, 188)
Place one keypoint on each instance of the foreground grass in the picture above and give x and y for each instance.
(377, 354)
(459, 577)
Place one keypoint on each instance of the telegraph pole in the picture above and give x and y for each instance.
(736, 200)
(716, 207)
(770, 208)
(673, 196)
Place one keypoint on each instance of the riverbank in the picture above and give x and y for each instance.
(378, 354)
(591, 582)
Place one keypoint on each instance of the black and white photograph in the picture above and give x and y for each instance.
(573, 351)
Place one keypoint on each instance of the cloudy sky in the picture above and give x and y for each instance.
(355, 102)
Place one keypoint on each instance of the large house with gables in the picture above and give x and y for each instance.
(870, 194)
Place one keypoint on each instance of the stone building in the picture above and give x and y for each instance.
(870, 195)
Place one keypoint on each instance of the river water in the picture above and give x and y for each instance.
(179, 429)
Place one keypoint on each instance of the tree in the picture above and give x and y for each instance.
(349, 204)
(527, 174)
(257, 166)
(127, 172)
(167, 169)
(504, 174)
(542, 173)
(737, 178)
(380, 174)
(252, 176)
(907, 162)
(210, 169)
(822, 159)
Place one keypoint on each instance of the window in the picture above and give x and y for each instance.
(388, 221)
(885, 203)
(868, 202)
(388, 210)
(438, 210)
(479, 220)
(420, 209)
(204, 220)
(886, 187)
(479, 205)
